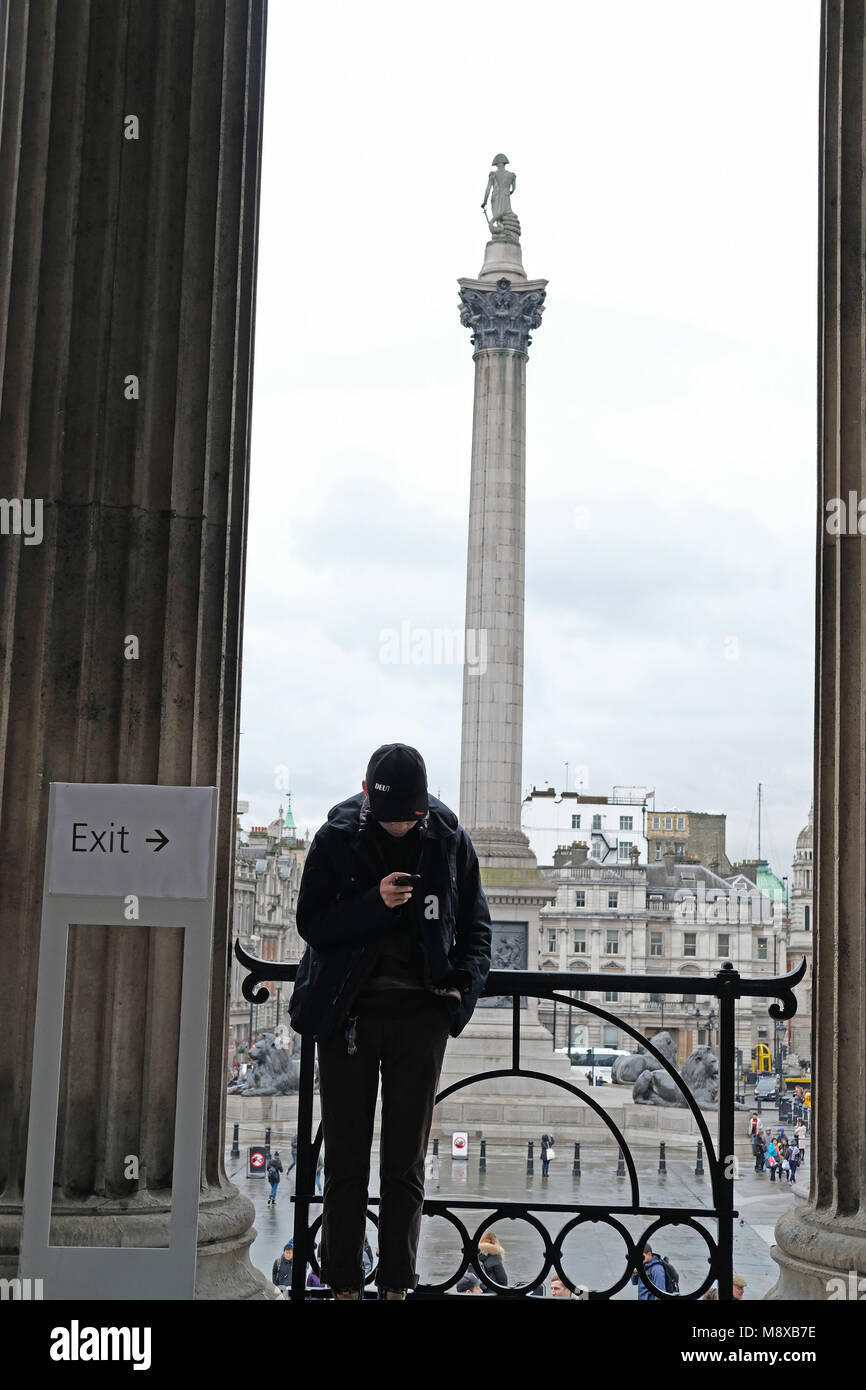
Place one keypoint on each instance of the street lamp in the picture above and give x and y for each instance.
(710, 1024)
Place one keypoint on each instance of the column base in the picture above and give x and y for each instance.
(820, 1257)
(225, 1234)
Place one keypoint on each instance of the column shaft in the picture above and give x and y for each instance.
(827, 1239)
(129, 162)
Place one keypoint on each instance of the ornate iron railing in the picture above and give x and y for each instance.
(727, 986)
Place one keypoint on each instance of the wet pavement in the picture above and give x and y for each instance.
(593, 1254)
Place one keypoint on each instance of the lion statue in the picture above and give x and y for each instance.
(275, 1070)
(701, 1076)
(626, 1070)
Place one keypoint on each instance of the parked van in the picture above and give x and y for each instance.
(597, 1060)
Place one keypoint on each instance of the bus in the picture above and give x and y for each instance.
(596, 1060)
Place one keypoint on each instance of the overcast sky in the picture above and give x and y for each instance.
(666, 162)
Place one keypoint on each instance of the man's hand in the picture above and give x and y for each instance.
(392, 894)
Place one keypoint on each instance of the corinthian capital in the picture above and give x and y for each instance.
(501, 317)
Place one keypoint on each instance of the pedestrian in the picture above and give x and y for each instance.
(398, 952)
(772, 1159)
(558, 1289)
(760, 1150)
(491, 1255)
(547, 1153)
(654, 1270)
(753, 1124)
(275, 1167)
(793, 1162)
(711, 1295)
(294, 1161)
(469, 1284)
(800, 1133)
(281, 1274)
(738, 1283)
(367, 1256)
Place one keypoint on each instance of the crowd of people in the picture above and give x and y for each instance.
(777, 1154)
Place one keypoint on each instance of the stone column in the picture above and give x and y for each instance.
(825, 1240)
(501, 318)
(129, 171)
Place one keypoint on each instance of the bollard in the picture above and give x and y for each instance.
(530, 1163)
(620, 1166)
(663, 1167)
(268, 1140)
(699, 1166)
(482, 1157)
(436, 1146)
(236, 1151)
(575, 1171)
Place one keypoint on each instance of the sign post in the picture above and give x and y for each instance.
(122, 856)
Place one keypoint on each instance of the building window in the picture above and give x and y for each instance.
(580, 940)
(681, 822)
(613, 899)
(579, 994)
(611, 996)
(656, 822)
(596, 822)
(762, 1032)
(626, 823)
(690, 999)
(579, 897)
(655, 998)
(669, 825)
(807, 912)
(724, 945)
(551, 939)
(610, 1036)
(762, 948)
(575, 822)
(690, 943)
(597, 850)
(656, 946)
(679, 847)
(612, 943)
(658, 850)
(624, 849)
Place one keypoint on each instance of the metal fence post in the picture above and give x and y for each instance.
(530, 1162)
(482, 1157)
(663, 1167)
(236, 1152)
(620, 1166)
(575, 1171)
(699, 1166)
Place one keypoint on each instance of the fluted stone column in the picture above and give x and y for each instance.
(129, 169)
(501, 316)
(825, 1239)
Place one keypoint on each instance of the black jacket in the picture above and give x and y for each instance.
(343, 918)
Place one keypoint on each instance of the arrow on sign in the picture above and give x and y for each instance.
(160, 843)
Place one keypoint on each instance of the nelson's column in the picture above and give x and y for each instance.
(501, 308)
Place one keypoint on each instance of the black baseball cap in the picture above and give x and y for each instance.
(397, 783)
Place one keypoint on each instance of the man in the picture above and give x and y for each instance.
(398, 931)
(275, 1167)
(739, 1284)
(654, 1270)
(281, 1275)
(558, 1289)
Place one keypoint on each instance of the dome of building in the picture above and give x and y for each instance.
(804, 839)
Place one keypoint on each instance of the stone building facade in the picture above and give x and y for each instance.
(698, 835)
(676, 918)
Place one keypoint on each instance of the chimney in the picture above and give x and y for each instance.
(579, 852)
(669, 858)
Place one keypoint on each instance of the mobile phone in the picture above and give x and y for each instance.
(407, 880)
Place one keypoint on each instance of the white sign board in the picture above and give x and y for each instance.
(122, 856)
(460, 1144)
(111, 840)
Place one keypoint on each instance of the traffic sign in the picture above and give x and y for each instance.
(460, 1144)
(112, 840)
(257, 1161)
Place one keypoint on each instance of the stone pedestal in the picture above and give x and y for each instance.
(822, 1243)
(129, 173)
